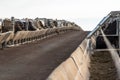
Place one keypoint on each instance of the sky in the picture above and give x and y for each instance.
(86, 13)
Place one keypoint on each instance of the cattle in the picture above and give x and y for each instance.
(44, 22)
(25, 25)
(7, 25)
(31, 26)
(55, 23)
(39, 24)
(47, 23)
(19, 26)
(51, 23)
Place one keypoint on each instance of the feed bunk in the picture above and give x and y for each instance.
(20, 31)
(76, 67)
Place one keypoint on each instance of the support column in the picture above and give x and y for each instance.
(13, 23)
(13, 28)
(118, 32)
(27, 24)
(0, 25)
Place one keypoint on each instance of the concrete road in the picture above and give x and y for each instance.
(35, 61)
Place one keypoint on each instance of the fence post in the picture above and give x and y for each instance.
(13, 23)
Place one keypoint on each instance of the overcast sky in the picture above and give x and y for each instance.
(86, 13)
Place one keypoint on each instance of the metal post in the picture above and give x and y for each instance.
(13, 27)
(27, 24)
(117, 28)
(13, 22)
(0, 25)
(118, 24)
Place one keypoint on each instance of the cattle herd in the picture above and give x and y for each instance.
(16, 31)
(31, 24)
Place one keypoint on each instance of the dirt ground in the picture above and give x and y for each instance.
(35, 61)
(102, 67)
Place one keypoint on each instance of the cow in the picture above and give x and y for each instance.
(39, 24)
(25, 25)
(6, 25)
(55, 23)
(31, 26)
(19, 26)
(51, 23)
